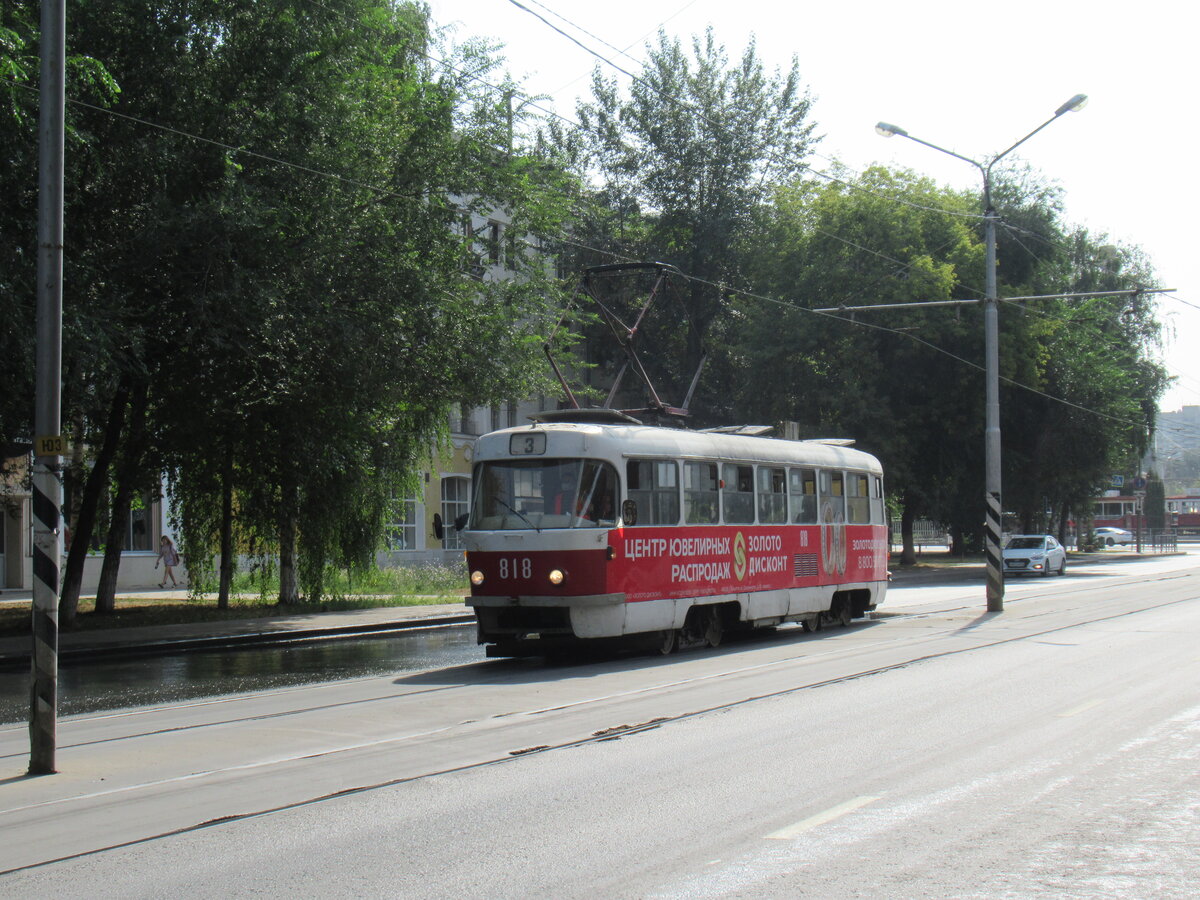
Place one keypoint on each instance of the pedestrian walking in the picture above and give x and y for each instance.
(169, 557)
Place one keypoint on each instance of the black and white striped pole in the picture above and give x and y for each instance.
(991, 319)
(994, 510)
(48, 443)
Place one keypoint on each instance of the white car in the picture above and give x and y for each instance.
(1106, 536)
(1034, 554)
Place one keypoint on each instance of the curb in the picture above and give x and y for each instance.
(14, 661)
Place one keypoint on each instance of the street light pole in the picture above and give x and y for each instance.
(993, 526)
(47, 451)
(991, 326)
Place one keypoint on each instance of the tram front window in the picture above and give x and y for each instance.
(514, 495)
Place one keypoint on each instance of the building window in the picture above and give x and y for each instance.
(401, 532)
(512, 252)
(456, 500)
(466, 420)
(139, 536)
(493, 243)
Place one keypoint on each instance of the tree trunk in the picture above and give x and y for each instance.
(89, 503)
(128, 472)
(74, 477)
(908, 554)
(288, 592)
(226, 533)
(114, 544)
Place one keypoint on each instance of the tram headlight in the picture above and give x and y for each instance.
(557, 576)
(477, 578)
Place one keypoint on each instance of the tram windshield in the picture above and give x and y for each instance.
(544, 493)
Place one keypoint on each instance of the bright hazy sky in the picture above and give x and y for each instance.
(971, 77)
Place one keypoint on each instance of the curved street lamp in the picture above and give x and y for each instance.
(995, 577)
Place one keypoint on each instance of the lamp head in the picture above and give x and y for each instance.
(883, 129)
(1076, 103)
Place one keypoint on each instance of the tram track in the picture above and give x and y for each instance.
(511, 753)
(508, 678)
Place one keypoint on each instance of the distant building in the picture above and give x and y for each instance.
(147, 523)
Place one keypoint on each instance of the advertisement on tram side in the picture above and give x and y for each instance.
(650, 563)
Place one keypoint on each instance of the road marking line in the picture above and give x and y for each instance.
(834, 812)
(1082, 708)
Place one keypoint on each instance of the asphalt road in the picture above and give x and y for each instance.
(940, 751)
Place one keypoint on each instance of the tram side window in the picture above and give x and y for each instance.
(737, 494)
(654, 488)
(772, 495)
(803, 488)
(701, 493)
(858, 503)
(833, 497)
(878, 515)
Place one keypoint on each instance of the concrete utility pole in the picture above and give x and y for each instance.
(991, 321)
(48, 443)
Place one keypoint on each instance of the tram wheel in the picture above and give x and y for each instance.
(813, 625)
(844, 616)
(670, 640)
(714, 628)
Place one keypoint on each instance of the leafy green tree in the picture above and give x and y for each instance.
(684, 161)
(269, 293)
(1078, 379)
(885, 237)
(18, 219)
(1091, 364)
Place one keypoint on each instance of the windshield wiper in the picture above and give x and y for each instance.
(517, 512)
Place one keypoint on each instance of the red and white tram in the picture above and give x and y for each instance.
(604, 528)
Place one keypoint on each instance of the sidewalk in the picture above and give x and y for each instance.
(15, 651)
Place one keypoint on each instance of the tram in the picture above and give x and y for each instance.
(602, 528)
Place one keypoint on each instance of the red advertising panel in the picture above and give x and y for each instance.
(694, 562)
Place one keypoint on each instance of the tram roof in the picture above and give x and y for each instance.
(650, 440)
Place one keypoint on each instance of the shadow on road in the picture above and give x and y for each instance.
(586, 662)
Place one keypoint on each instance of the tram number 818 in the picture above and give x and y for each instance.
(517, 567)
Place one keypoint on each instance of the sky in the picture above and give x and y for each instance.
(970, 77)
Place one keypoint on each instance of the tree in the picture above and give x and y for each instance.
(271, 299)
(1091, 364)
(885, 237)
(907, 383)
(683, 164)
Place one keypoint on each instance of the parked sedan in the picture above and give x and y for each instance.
(1106, 536)
(1034, 554)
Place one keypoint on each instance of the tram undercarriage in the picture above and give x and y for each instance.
(509, 628)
